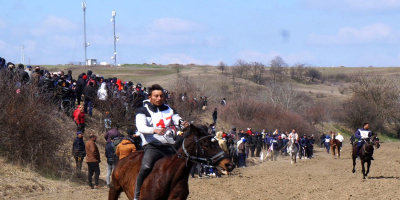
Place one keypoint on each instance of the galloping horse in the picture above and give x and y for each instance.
(335, 145)
(366, 152)
(293, 150)
(169, 177)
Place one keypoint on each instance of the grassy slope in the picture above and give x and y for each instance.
(208, 78)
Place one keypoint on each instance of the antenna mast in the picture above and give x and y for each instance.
(84, 30)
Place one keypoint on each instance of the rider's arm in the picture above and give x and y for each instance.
(357, 134)
(175, 118)
(141, 124)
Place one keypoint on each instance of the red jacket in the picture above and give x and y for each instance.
(79, 116)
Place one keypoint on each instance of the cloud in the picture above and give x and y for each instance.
(165, 32)
(174, 25)
(355, 5)
(52, 25)
(175, 58)
(380, 33)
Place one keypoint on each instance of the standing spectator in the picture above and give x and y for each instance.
(252, 143)
(80, 85)
(259, 144)
(242, 152)
(322, 140)
(110, 155)
(111, 134)
(102, 92)
(223, 102)
(93, 160)
(78, 150)
(29, 71)
(90, 94)
(215, 115)
(79, 117)
(126, 147)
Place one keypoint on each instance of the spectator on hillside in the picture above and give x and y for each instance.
(112, 133)
(80, 85)
(93, 160)
(215, 115)
(102, 92)
(23, 75)
(78, 150)
(90, 95)
(29, 71)
(79, 117)
(110, 155)
(36, 77)
(223, 102)
(126, 147)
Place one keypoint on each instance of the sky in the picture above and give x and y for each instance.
(352, 33)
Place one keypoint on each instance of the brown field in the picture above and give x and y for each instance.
(320, 178)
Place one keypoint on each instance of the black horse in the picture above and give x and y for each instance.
(366, 152)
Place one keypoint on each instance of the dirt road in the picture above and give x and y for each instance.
(320, 178)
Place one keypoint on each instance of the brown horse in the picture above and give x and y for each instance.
(366, 152)
(170, 175)
(335, 145)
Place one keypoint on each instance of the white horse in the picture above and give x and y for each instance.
(293, 150)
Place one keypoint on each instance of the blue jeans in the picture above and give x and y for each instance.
(88, 103)
(242, 160)
(110, 168)
(328, 146)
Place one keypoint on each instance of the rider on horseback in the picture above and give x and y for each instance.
(153, 120)
(362, 134)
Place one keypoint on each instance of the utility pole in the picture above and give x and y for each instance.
(116, 38)
(22, 54)
(85, 44)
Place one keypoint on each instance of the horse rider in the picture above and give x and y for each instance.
(340, 138)
(153, 122)
(362, 134)
(295, 136)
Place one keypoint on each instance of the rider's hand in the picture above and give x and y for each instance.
(185, 124)
(160, 131)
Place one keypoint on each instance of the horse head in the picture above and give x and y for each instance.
(375, 141)
(203, 147)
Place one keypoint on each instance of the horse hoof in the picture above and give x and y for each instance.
(353, 171)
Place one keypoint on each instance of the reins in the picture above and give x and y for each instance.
(197, 159)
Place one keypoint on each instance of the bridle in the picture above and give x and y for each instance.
(208, 160)
(197, 159)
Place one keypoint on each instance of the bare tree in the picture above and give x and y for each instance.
(313, 74)
(257, 70)
(277, 69)
(222, 66)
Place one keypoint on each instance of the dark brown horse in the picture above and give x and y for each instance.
(335, 145)
(169, 177)
(366, 152)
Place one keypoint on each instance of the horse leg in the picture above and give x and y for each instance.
(114, 192)
(333, 151)
(368, 166)
(363, 168)
(338, 151)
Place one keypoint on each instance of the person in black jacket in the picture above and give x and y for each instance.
(78, 150)
(90, 94)
(80, 85)
(259, 144)
(252, 143)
